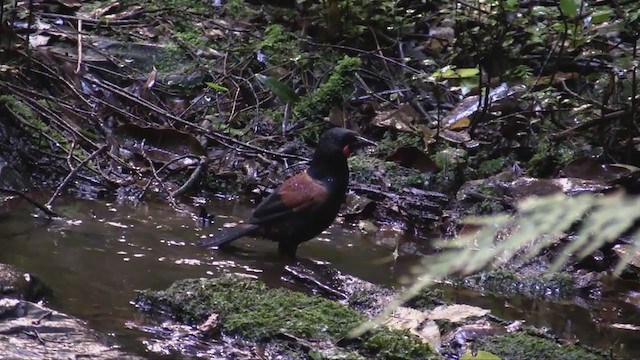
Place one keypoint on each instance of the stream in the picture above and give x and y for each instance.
(97, 258)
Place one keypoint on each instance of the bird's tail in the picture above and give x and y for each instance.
(229, 235)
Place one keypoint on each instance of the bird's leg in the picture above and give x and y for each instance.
(287, 249)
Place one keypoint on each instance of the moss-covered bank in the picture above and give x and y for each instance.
(249, 309)
(519, 346)
(301, 326)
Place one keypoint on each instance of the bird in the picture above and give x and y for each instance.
(305, 204)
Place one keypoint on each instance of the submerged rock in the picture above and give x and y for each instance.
(531, 285)
(30, 331)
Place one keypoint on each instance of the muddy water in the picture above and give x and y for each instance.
(96, 260)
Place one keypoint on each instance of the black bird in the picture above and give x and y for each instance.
(306, 204)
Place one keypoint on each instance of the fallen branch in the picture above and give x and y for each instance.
(44, 209)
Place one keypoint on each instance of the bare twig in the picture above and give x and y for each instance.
(193, 179)
(73, 173)
(79, 65)
(190, 182)
(172, 200)
(43, 208)
(221, 138)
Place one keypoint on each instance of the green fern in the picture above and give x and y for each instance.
(538, 223)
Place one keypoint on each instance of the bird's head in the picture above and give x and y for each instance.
(339, 142)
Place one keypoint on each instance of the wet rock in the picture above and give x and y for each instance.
(532, 285)
(20, 285)
(589, 281)
(459, 339)
(30, 331)
(365, 297)
(503, 189)
(633, 298)
(10, 178)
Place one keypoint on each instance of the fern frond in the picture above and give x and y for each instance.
(538, 223)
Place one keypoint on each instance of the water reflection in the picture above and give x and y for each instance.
(98, 259)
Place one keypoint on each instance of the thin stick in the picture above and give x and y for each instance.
(44, 209)
(79, 66)
(73, 173)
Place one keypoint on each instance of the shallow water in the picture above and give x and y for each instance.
(98, 259)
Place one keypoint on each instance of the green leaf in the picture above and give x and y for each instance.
(468, 72)
(600, 16)
(283, 91)
(216, 87)
(511, 5)
(569, 7)
(481, 355)
(450, 72)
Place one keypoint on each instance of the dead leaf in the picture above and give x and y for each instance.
(162, 145)
(456, 312)
(460, 124)
(413, 158)
(416, 322)
(588, 168)
(403, 119)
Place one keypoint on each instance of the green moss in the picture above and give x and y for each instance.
(548, 157)
(392, 142)
(517, 346)
(25, 112)
(397, 344)
(192, 36)
(173, 60)
(450, 158)
(491, 167)
(250, 309)
(368, 170)
(17, 106)
(239, 9)
(427, 299)
(446, 326)
(279, 44)
(316, 106)
(506, 282)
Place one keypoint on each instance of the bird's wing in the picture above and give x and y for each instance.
(296, 194)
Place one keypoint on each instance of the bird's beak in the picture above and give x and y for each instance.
(362, 142)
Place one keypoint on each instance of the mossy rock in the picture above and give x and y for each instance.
(508, 282)
(251, 310)
(518, 346)
(397, 344)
